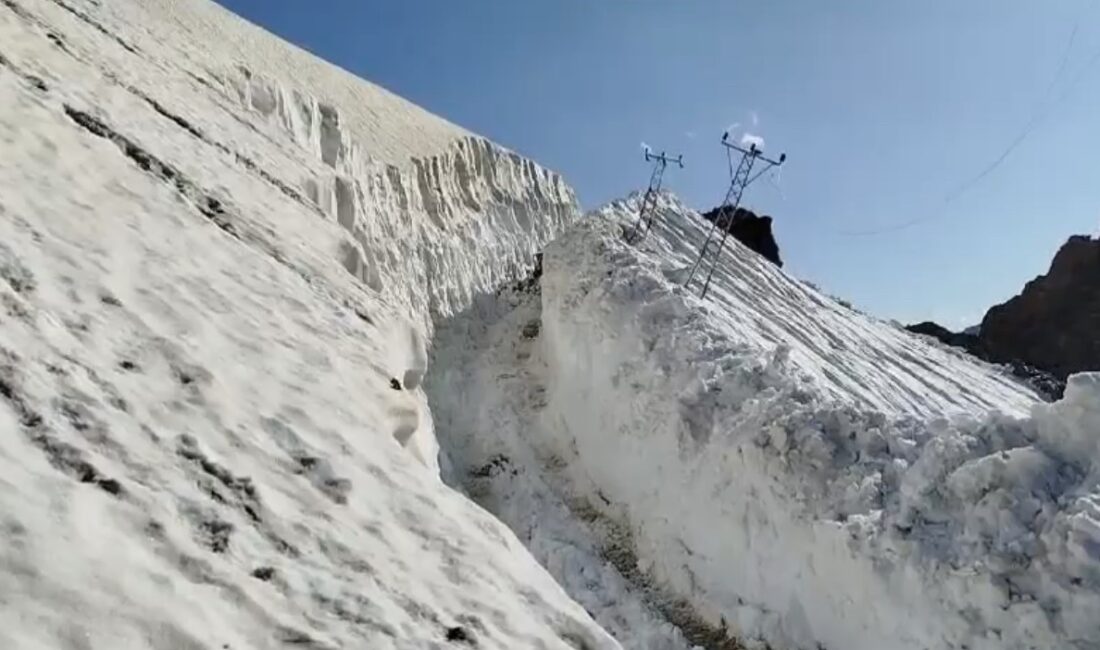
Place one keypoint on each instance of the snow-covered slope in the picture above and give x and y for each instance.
(434, 215)
(223, 264)
(211, 432)
(857, 359)
(772, 463)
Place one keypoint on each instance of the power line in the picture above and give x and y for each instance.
(1041, 112)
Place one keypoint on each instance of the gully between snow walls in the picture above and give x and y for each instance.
(429, 235)
(690, 486)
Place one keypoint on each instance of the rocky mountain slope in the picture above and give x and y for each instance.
(1048, 331)
(1053, 323)
(754, 231)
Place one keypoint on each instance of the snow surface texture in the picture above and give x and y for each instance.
(816, 477)
(211, 433)
(770, 463)
(856, 359)
(434, 215)
(222, 265)
(486, 386)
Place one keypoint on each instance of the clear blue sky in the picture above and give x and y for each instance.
(886, 110)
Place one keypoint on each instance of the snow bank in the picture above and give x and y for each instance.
(804, 474)
(487, 387)
(852, 357)
(204, 38)
(212, 435)
(432, 234)
(435, 215)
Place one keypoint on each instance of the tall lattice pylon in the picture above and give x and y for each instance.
(740, 179)
(649, 202)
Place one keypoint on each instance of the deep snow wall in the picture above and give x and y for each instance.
(799, 519)
(205, 420)
(431, 235)
(435, 214)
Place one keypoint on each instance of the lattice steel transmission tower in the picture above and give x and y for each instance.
(649, 202)
(740, 179)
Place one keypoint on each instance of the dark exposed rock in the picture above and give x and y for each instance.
(1053, 323)
(969, 342)
(752, 231)
(1044, 383)
(461, 635)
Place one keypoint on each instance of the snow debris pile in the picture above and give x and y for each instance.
(202, 412)
(808, 475)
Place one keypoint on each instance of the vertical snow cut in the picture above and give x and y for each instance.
(212, 435)
(808, 475)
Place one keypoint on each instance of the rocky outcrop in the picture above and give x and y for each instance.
(752, 231)
(1043, 382)
(957, 339)
(1053, 323)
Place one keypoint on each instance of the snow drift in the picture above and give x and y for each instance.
(435, 215)
(811, 476)
(768, 465)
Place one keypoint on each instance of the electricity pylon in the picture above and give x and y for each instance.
(740, 179)
(649, 202)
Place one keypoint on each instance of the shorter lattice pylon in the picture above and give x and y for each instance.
(649, 202)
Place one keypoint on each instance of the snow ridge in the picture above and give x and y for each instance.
(431, 235)
(801, 511)
(769, 466)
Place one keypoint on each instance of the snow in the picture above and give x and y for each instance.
(854, 358)
(752, 140)
(769, 463)
(390, 128)
(813, 476)
(253, 309)
(204, 307)
(486, 388)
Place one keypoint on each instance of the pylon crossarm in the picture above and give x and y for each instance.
(754, 152)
